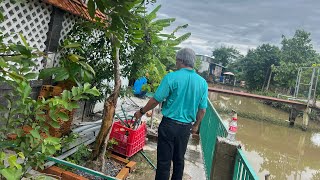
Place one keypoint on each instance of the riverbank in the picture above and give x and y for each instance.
(314, 127)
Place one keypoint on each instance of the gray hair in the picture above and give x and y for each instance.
(186, 56)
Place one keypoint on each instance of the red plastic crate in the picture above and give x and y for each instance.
(129, 141)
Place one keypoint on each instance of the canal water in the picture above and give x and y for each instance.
(282, 152)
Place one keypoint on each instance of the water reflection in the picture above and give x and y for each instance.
(283, 152)
(315, 139)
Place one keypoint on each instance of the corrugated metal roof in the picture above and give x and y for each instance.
(76, 7)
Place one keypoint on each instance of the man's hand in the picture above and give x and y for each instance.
(194, 129)
(138, 115)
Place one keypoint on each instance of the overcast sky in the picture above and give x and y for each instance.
(242, 24)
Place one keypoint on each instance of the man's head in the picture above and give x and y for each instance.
(185, 58)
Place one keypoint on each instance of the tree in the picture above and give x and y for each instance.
(295, 52)
(156, 54)
(257, 65)
(121, 26)
(158, 49)
(225, 55)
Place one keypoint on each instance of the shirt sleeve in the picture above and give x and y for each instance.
(204, 99)
(163, 90)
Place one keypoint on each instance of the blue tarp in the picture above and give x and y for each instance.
(138, 85)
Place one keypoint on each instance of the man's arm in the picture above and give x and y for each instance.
(200, 115)
(152, 103)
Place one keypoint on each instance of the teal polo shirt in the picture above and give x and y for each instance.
(184, 92)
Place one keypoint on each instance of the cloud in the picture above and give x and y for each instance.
(243, 24)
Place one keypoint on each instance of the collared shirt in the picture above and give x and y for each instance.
(184, 92)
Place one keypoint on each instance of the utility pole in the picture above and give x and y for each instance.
(270, 74)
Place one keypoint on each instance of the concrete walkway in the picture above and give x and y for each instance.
(194, 168)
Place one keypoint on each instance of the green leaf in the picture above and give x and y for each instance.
(16, 76)
(23, 50)
(86, 87)
(23, 40)
(12, 173)
(74, 91)
(3, 64)
(73, 58)
(45, 73)
(94, 91)
(77, 98)
(2, 156)
(153, 14)
(55, 124)
(12, 160)
(51, 149)
(1, 17)
(63, 116)
(87, 67)
(35, 134)
(21, 155)
(52, 140)
(100, 5)
(31, 76)
(74, 105)
(63, 75)
(87, 76)
(91, 8)
(73, 45)
(27, 91)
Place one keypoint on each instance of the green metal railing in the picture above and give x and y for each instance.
(211, 127)
(242, 168)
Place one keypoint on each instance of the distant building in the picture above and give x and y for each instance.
(214, 69)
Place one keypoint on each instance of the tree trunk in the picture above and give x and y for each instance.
(109, 104)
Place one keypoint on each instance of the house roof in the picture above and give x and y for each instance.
(76, 7)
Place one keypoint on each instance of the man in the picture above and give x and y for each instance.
(185, 94)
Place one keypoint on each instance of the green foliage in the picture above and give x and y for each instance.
(295, 52)
(225, 55)
(156, 54)
(144, 47)
(112, 142)
(96, 50)
(80, 157)
(257, 65)
(16, 64)
(197, 64)
(73, 67)
(67, 140)
(14, 170)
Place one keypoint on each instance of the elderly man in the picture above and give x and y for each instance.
(184, 95)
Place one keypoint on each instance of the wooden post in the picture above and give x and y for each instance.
(224, 159)
(269, 79)
(293, 115)
(306, 117)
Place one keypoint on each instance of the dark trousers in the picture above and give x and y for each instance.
(173, 139)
